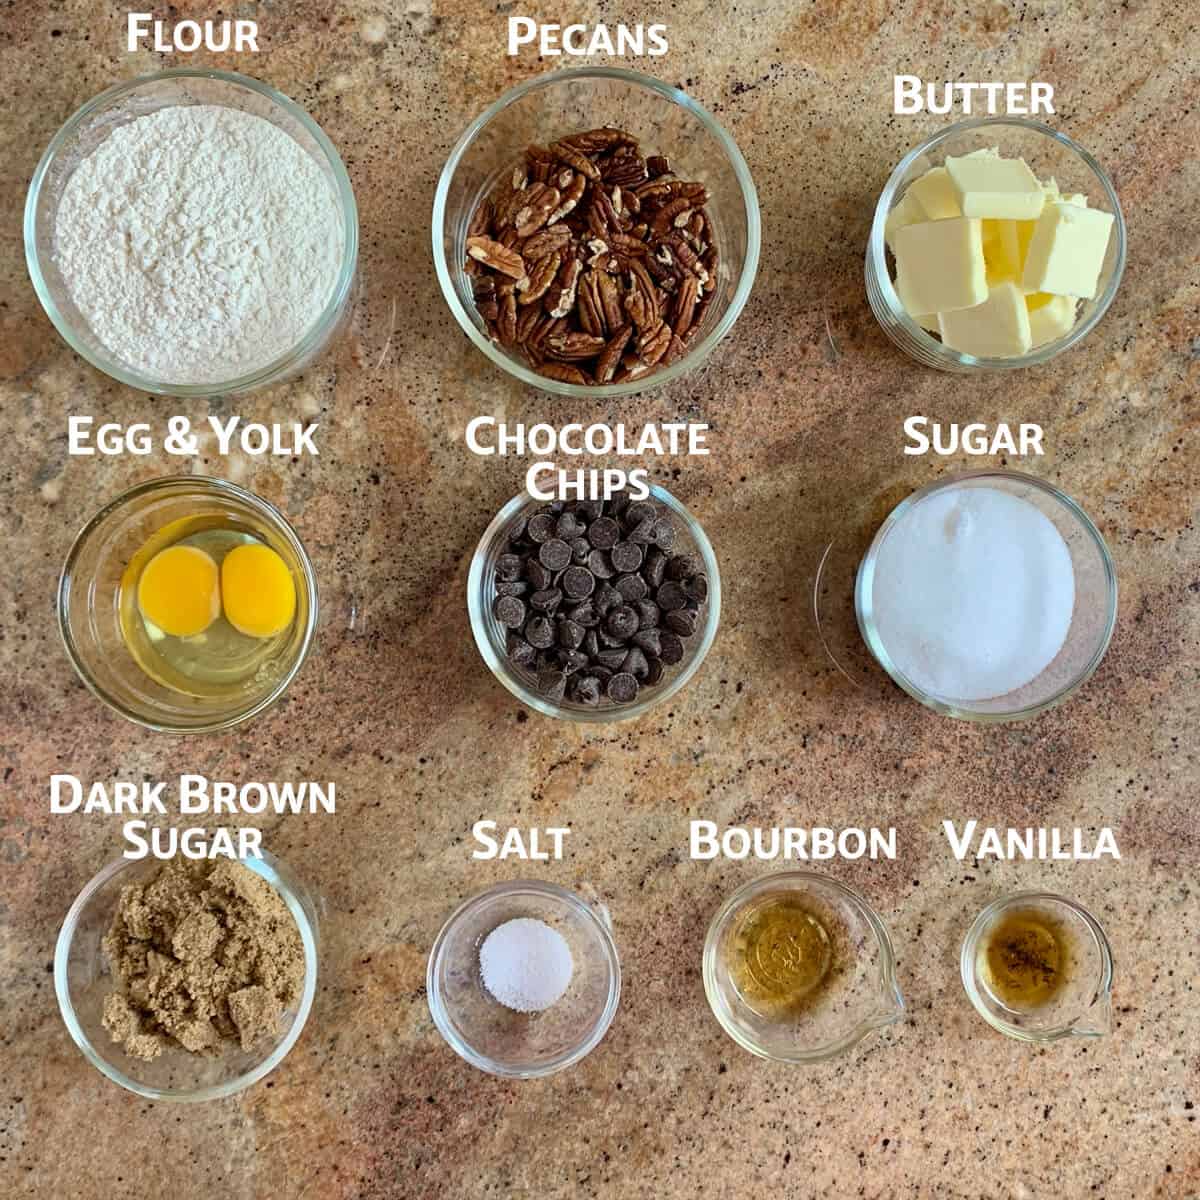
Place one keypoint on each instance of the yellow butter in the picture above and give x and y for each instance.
(940, 265)
(907, 212)
(1066, 251)
(1051, 318)
(996, 187)
(997, 328)
(1001, 251)
(936, 195)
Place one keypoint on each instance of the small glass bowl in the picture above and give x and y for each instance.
(1092, 621)
(89, 607)
(1082, 1009)
(82, 982)
(491, 637)
(862, 993)
(667, 121)
(497, 1039)
(1048, 153)
(124, 103)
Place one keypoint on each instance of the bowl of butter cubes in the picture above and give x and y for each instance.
(997, 243)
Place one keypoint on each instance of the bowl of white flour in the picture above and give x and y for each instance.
(193, 233)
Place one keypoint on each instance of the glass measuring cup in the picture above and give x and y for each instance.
(859, 994)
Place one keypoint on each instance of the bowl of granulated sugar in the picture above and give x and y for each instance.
(524, 980)
(193, 233)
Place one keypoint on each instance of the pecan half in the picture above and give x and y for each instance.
(547, 241)
(591, 303)
(596, 141)
(540, 201)
(658, 164)
(610, 301)
(495, 256)
(563, 372)
(571, 196)
(641, 301)
(610, 356)
(537, 282)
(684, 309)
(653, 343)
(481, 220)
(664, 219)
(561, 298)
(574, 158)
(575, 346)
(625, 167)
(507, 321)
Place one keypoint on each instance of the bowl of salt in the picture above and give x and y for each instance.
(988, 596)
(524, 979)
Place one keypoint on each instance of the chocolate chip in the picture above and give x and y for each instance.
(591, 644)
(613, 659)
(508, 567)
(670, 596)
(568, 528)
(643, 533)
(520, 652)
(584, 614)
(599, 565)
(516, 531)
(664, 534)
(649, 614)
(622, 688)
(650, 640)
(626, 556)
(604, 533)
(547, 600)
(602, 673)
(683, 566)
(537, 574)
(639, 511)
(696, 588)
(539, 633)
(570, 634)
(580, 549)
(554, 554)
(672, 648)
(607, 597)
(654, 672)
(622, 622)
(587, 690)
(633, 588)
(578, 582)
(518, 587)
(572, 660)
(682, 622)
(510, 611)
(588, 510)
(552, 684)
(541, 527)
(655, 567)
(635, 663)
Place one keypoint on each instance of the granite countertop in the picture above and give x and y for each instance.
(805, 401)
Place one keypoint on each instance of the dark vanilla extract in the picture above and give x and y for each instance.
(1026, 955)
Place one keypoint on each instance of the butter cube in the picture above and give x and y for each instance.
(907, 212)
(940, 267)
(997, 328)
(936, 195)
(1050, 317)
(996, 187)
(1066, 252)
(1002, 250)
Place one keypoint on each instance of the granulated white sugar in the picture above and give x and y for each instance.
(526, 965)
(199, 243)
(973, 593)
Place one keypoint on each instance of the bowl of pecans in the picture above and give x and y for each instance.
(594, 610)
(596, 232)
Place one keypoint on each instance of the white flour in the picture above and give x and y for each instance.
(199, 243)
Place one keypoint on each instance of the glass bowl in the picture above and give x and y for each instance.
(1049, 154)
(89, 604)
(124, 103)
(667, 121)
(82, 981)
(1092, 621)
(491, 636)
(1083, 1008)
(859, 993)
(497, 1039)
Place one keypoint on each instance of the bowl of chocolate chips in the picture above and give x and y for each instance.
(596, 232)
(594, 610)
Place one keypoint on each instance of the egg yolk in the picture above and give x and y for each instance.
(257, 590)
(180, 591)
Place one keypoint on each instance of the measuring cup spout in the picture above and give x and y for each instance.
(1096, 1021)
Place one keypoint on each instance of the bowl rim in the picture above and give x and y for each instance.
(498, 664)
(445, 1023)
(205, 484)
(863, 597)
(792, 880)
(268, 372)
(696, 354)
(985, 917)
(934, 347)
(269, 868)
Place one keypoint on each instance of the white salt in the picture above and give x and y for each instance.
(526, 965)
(973, 593)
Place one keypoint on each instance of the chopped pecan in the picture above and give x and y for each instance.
(653, 343)
(574, 158)
(561, 297)
(574, 346)
(683, 311)
(658, 164)
(537, 282)
(496, 256)
(596, 141)
(610, 356)
(641, 301)
(540, 163)
(540, 201)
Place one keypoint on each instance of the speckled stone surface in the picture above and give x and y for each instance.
(805, 401)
